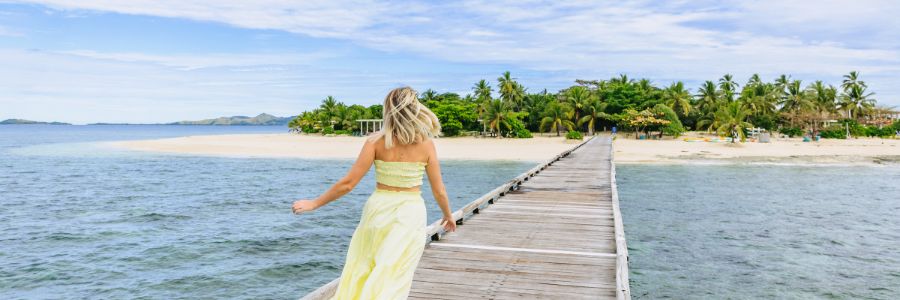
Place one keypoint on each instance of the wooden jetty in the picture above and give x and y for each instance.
(553, 232)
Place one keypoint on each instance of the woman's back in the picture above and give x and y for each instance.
(386, 246)
(401, 167)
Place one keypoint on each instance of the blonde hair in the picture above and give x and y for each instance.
(406, 120)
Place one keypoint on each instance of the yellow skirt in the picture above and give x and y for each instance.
(385, 247)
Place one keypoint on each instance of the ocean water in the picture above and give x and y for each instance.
(762, 232)
(82, 220)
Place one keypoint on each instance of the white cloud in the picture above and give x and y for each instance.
(191, 62)
(683, 40)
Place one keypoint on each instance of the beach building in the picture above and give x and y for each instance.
(367, 126)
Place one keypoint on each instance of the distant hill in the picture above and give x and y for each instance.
(261, 119)
(20, 121)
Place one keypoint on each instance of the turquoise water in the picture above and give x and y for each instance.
(81, 220)
(762, 232)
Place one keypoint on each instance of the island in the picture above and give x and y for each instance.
(261, 119)
(29, 122)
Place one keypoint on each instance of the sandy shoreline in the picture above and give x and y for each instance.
(283, 145)
(627, 150)
(778, 151)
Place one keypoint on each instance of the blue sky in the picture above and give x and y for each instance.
(159, 61)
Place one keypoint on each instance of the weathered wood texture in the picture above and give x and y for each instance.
(553, 232)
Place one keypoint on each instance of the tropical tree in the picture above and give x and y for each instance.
(328, 106)
(824, 102)
(578, 98)
(428, 95)
(482, 90)
(645, 120)
(852, 79)
(760, 98)
(677, 98)
(556, 116)
(731, 119)
(708, 97)
(499, 115)
(796, 101)
(509, 89)
(728, 87)
(857, 101)
(593, 112)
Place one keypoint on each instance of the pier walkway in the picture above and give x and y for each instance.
(554, 232)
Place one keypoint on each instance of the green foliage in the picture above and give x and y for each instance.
(766, 121)
(574, 135)
(730, 120)
(674, 128)
(791, 131)
(855, 128)
(455, 116)
(632, 103)
(342, 132)
(833, 132)
(518, 129)
(874, 131)
(558, 115)
(644, 121)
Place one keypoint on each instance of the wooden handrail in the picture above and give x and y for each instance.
(435, 231)
(623, 287)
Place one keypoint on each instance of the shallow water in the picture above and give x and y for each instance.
(81, 220)
(762, 232)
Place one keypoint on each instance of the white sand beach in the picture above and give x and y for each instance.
(346, 147)
(781, 150)
(627, 149)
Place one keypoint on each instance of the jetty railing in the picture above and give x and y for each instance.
(435, 231)
(623, 287)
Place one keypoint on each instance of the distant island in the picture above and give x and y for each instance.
(21, 122)
(261, 119)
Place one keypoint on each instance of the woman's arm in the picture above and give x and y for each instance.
(433, 169)
(344, 185)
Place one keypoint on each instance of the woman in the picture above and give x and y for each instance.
(390, 237)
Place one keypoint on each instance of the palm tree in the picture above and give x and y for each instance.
(622, 79)
(677, 98)
(708, 97)
(328, 105)
(498, 114)
(856, 101)
(796, 100)
(728, 87)
(509, 89)
(852, 79)
(824, 104)
(482, 90)
(578, 97)
(760, 98)
(428, 95)
(556, 116)
(754, 80)
(730, 119)
(593, 112)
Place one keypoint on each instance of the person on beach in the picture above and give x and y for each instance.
(390, 237)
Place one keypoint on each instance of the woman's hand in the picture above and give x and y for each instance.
(302, 206)
(449, 224)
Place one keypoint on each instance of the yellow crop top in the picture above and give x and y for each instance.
(400, 174)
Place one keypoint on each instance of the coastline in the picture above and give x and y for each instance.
(780, 151)
(285, 145)
(787, 151)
